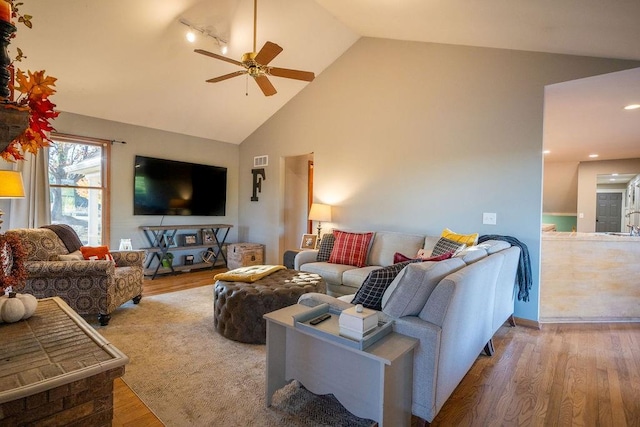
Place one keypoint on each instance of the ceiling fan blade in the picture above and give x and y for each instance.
(267, 53)
(266, 86)
(306, 76)
(227, 76)
(220, 57)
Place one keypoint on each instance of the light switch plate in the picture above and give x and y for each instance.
(489, 218)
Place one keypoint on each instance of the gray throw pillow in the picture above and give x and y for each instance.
(325, 248)
(417, 283)
(372, 289)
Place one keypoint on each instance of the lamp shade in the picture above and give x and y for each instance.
(11, 185)
(320, 212)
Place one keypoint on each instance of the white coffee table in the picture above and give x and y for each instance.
(375, 383)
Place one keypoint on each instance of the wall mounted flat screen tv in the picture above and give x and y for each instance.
(169, 187)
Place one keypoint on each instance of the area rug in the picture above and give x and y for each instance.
(189, 375)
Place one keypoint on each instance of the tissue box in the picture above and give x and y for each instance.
(356, 325)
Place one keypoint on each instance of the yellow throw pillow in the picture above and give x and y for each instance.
(467, 239)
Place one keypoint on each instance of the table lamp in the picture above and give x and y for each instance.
(319, 212)
(11, 187)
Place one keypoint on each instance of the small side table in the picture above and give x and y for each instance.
(289, 257)
(375, 383)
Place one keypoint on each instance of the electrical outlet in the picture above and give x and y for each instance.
(489, 218)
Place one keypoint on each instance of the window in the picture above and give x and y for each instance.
(78, 186)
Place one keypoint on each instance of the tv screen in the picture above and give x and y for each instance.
(169, 187)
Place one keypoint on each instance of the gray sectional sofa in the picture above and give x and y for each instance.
(452, 307)
(346, 279)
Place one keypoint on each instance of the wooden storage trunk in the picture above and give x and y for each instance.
(244, 254)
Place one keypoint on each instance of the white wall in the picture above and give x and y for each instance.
(417, 137)
(153, 143)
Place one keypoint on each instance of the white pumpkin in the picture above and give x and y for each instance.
(12, 309)
(30, 304)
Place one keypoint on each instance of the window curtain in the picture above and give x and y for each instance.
(34, 210)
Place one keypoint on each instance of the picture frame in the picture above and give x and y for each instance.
(189, 239)
(169, 241)
(308, 241)
(208, 237)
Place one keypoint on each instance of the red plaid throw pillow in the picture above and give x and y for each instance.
(350, 248)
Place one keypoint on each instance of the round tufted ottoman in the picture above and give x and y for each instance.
(238, 307)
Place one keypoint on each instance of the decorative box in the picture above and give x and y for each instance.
(244, 255)
(356, 325)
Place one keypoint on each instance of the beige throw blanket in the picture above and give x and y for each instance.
(248, 274)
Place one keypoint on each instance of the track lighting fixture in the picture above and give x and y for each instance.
(192, 34)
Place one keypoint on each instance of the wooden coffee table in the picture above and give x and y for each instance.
(56, 369)
(375, 383)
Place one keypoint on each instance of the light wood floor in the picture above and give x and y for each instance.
(564, 374)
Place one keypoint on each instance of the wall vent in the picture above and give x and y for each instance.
(260, 161)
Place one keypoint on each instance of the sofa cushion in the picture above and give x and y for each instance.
(73, 256)
(331, 273)
(445, 245)
(41, 244)
(371, 291)
(395, 281)
(350, 248)
(415, 286)
(467, 239)
(356, 276)
(472, 254)
(325, 247)
(493, 246)
(387, 243)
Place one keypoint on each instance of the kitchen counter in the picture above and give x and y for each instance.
(603, 237)
(589, 277)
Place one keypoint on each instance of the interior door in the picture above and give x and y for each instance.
(608, 212)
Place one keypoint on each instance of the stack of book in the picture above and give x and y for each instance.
(357, 324)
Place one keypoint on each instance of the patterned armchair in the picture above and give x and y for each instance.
(89, 287)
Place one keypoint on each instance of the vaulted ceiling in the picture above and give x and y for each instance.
(128, 60)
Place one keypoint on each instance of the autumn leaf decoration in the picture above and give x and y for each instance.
(34, 94)
(34, 91)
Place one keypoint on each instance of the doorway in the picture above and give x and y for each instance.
(581, 118)
(298, 195)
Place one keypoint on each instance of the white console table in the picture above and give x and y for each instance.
(375, 383)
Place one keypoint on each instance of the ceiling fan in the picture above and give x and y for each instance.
(257, 64)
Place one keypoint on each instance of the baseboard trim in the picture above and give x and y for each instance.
(527, 323)
(557, 320)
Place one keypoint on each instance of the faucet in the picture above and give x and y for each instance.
(634, 230)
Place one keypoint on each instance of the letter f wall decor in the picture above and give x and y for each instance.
(258, 177)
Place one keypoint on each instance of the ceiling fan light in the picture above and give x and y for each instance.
(632, 107)
(224, 49)
(191, 36)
